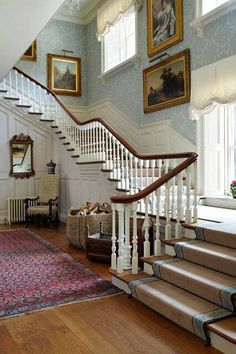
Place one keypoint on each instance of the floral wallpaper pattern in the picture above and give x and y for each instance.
(125, 88)
(58, 35)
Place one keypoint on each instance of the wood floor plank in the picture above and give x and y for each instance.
(111, 325)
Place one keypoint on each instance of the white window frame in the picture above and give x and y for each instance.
(225, 169)
(134, 60)
(202, 20)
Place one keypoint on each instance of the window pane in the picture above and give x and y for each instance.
(119, 43)
(209, 5)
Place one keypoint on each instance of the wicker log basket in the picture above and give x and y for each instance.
(88, 218)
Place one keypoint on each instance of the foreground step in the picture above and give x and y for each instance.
(178, 305)
(213, 286)
(216, 257)
(223, 335)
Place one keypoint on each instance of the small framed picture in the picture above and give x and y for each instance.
(31, 53)
(167, 83)
(64, 75)
(164, 24)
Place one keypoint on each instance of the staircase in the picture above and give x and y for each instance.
(159, 187)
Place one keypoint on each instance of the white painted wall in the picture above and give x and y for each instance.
(79, 183)
(12, 123)
(20, 23)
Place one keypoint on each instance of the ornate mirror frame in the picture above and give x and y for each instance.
(21, 155)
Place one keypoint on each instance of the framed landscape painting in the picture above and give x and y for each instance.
(64, 75)
(31, 53)
(164, 24)
(167, 83)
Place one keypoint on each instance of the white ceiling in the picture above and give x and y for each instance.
(87, 11)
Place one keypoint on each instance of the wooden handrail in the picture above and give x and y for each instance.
(126, 199)
(100, 120)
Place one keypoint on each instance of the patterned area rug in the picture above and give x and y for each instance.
(35, 274)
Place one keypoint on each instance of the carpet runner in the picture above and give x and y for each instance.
(195, 288)
(36, 275)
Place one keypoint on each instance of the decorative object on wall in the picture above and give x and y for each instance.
(167, 83)
(31, 53)
(21, 154)
(51, 167)
(64, 75)
(164, 24)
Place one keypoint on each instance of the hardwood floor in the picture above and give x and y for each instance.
(111, 325)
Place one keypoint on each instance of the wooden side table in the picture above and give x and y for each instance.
(98, 246)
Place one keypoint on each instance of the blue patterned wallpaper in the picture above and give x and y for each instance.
(125, 88)
(55, 36)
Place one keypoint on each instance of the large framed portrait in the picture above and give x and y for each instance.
(64, 75)
(164, 24)
(167, 83)
(31, 53)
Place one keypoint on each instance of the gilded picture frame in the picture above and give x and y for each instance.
(31, 53)
(167, 83)
(164, 24)
(64, 75)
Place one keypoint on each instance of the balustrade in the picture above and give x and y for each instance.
(161, 186)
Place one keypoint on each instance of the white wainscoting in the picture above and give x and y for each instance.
(152, 138)
(14, 122)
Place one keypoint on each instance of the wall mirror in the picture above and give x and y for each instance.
(21, 154)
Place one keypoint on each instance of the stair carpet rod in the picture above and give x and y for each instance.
(171, 198)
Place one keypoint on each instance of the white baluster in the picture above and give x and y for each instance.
(126, 170)
(157, 241)
(113, 239)
(136, 174)
(146, 245)
(127, 246)
(146, 163)
(114, 158)
(135, 240)
(131, 173)
(173, 201)
(120, 266)
(118, 160)
(122, 168)
(179, 215)
(110, 164)
(188, 212)
(167, 211)
(195, 192)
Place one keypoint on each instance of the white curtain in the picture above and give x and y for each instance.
(110, 12)
(213, 83)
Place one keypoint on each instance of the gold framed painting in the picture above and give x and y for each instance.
(31, 53)
(167, 83)
(164, 24)
(64, 75)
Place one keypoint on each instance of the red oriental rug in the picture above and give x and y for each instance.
(35, 275)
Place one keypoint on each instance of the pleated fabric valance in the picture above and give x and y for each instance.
(213, 83)
(111, 11)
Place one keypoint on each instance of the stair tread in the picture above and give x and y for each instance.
(201, 281)
(217, 257)
(176, 297)
(225, 328)
(151, 259)
(178, 305)
(173, 241)
(127, 276)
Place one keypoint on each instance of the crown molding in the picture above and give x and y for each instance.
(85, 16)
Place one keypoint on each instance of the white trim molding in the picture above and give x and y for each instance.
(151, 138)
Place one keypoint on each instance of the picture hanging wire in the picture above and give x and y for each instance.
(159, 57)
(67, 51)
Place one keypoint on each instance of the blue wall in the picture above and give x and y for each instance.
(55, 36)
(125, 88)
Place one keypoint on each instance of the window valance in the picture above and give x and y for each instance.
(213, 83)
(110, 12)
